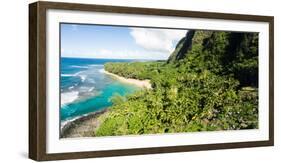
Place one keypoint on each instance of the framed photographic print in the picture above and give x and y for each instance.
(111, 81)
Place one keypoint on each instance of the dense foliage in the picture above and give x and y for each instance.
(214, 87)
(135, 70)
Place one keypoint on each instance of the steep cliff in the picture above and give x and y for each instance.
(185, 44)
(223, 53)
(182, 47)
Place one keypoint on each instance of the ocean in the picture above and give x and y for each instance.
(85, 88)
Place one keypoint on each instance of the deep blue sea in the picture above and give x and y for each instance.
(85, 88)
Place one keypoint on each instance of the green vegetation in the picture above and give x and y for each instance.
(135, 70)
(209, 83)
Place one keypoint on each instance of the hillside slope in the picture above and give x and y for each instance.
(222, 53)
(209, 83)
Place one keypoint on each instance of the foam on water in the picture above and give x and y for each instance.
(75, 66)
(91, 89)
(67, 75)
(68, 97)
(90, 80)
(65, 122)
(71, 87)
(95, 65)
(83, 77)
(71, 75)
(101, 70)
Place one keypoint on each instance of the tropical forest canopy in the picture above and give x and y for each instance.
(209, 83)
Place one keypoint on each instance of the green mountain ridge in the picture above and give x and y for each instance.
(185, 44)
(209, 83)
(222, 52)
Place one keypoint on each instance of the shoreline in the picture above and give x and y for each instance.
(86, 125)
(83, 126)
(140, 83)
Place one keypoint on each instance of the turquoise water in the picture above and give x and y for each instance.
(85, 88)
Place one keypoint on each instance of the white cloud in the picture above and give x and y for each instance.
(159, 40)
(153, 43)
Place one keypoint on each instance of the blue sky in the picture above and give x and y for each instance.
(97, 41)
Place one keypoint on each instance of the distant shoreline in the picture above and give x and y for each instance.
(140, 83)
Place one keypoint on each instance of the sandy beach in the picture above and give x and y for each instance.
(140, 83)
